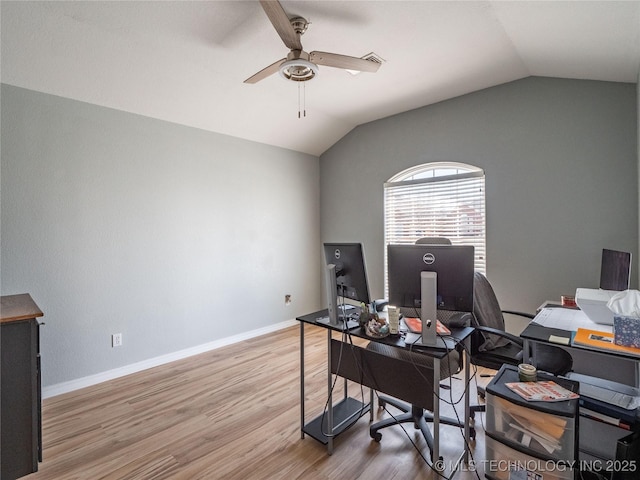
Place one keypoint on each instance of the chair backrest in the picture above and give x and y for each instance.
(433, 241)
(486, 311)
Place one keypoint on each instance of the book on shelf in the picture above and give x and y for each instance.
(603, 341)
(542, 391)
(414, 325)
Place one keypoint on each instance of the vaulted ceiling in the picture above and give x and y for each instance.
(185, 62)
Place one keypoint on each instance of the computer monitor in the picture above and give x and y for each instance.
(345, 278)
(410, 287)
(615, 270)
(351, 274)
(453, 264)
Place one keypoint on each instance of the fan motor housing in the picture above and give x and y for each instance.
(299, 24)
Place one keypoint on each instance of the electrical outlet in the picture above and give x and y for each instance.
(116, 340)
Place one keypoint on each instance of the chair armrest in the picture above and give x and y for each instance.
(521, 314)
(501, 333)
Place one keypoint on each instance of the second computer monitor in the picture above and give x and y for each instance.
(351, 274)
(615, 270)
(453, 264)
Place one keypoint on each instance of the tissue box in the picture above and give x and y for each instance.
(626, 331)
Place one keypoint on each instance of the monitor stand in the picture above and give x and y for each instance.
(428, 315)
(415, 339)
(340, 322)
(339, 315)
(344, 316)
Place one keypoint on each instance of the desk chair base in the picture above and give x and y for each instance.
(412, 414)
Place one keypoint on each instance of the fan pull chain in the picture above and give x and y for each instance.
(304, 99)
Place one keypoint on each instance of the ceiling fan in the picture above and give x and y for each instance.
(300, 66)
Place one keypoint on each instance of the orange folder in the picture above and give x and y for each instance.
(601, 341)
(415, 326)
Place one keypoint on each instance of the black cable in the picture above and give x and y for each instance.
(464, 392)
(326, 405)
(345, 334)
(363, 371)
(415, 446)
(355, 359)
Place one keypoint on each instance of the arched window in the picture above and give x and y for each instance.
(442, 199)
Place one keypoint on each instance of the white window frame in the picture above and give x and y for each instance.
(460, 216)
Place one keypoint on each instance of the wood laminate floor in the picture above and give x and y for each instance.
(232, 413)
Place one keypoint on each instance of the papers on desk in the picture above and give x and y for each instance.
(568, 319)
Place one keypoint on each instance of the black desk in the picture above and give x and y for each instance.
(341, 416)
(597, 440)
(536, 333)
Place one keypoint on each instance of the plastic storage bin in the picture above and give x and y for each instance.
(546, 429)
(548, 434)
(505, 463)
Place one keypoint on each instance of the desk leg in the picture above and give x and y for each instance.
(436, 410)
(329, 398)
(302, 380)
(467, 408)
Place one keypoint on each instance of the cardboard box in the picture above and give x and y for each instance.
(626, 331)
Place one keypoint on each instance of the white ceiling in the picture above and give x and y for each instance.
(185, 62)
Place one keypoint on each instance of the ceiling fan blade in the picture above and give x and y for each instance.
(343, 61)
(282, 24)
(265, 72)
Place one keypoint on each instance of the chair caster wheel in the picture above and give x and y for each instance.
(381, 403)
(377, 436)
(472, 433)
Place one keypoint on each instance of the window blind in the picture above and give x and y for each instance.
(451, 206)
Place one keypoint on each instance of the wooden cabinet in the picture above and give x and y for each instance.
(20, 389)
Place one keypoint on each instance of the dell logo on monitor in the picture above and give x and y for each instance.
(428, 258)
(337, 253)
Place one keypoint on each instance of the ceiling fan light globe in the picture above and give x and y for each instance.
(298, 70)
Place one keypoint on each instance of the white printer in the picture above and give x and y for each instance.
(593, 302)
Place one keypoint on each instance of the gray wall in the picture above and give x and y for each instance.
(173, 236)
(561, 166)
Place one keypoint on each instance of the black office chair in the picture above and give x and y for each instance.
(416, 414)
(492, 346)
(433, 241)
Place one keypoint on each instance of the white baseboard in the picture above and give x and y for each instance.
(71, 385)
